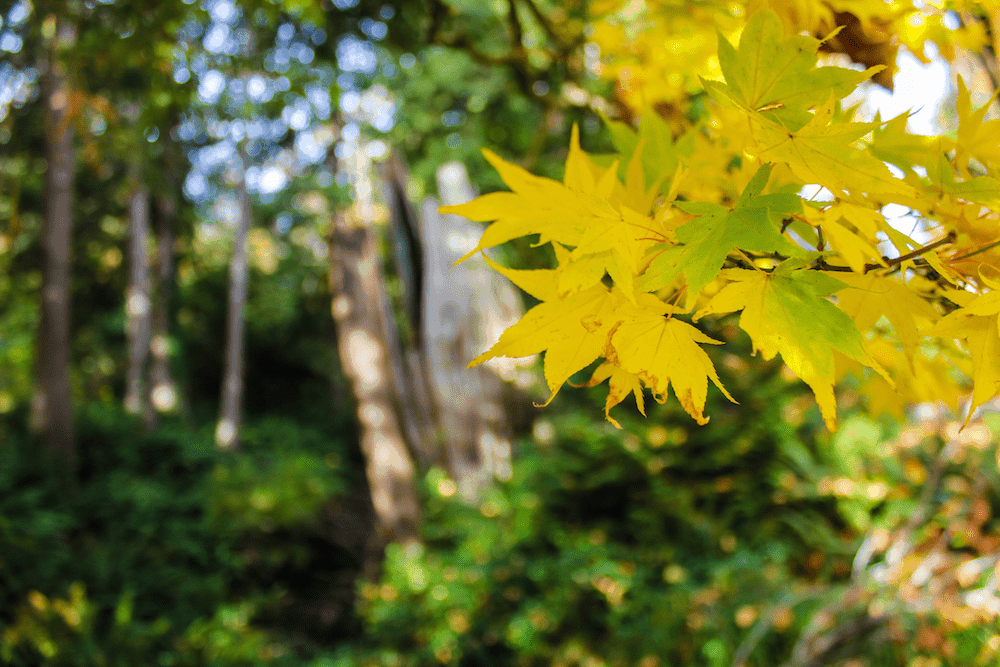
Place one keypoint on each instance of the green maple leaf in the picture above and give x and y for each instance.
(980, 189)
(785, 313)
(659, 151)
(717, 231)
(768, 74)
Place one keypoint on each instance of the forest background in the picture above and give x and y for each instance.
(207, 205)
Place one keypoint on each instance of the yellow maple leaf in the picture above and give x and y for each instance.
(771, 75)
(572, 332)
(539, 283)
(581, 172)
(823, 152)
(537, 205)
(926, 376)
(663, 350)
(620, 384)
(855, 250)
(976, 324)
(873, 296)
(976, 138)
(588, 212)
(575, 275)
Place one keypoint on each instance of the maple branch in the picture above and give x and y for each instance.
(564, 46)
(896, 261)
(950, 238)
(515, 25)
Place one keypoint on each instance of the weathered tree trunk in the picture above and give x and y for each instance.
(162, 392)
(357, 290)
(228, 430)
(467, 307)
(417, 408)
(137, 302)
(52, 405)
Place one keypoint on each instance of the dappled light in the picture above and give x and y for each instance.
(519, 333)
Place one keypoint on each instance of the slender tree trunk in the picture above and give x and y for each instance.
(162, 392)
(52, 405)
(356, 286)
(228, 430)
(137, 302)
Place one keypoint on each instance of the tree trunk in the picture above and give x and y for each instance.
(228, 429)
(466, 308)
(137, 302)
(417, 409)
(162, 392)
(52, 405)
(357, 291)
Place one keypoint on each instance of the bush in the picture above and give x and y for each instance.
(144, 562)
(674, 548)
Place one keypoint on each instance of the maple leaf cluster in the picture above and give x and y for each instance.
(658, 49)
(713, 221)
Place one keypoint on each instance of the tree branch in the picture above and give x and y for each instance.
(561, 44)
(896, 261)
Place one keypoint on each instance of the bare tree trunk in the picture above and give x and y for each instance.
(228, 430)
(466, 307)
(162, 393)
(417, 409)
(137, 302)
(356, 287)
(52, 405)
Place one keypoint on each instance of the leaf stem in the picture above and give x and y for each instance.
(749, 261)
(975, 252)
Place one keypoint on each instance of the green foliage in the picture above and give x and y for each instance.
(282, 479)
(143, 562)
(603, 547)
(674, 547)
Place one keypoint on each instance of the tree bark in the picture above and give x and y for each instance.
(52, 409)
(356, 288)
(228, 429)
(467, 307)
(417, 409)
(137, 302)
